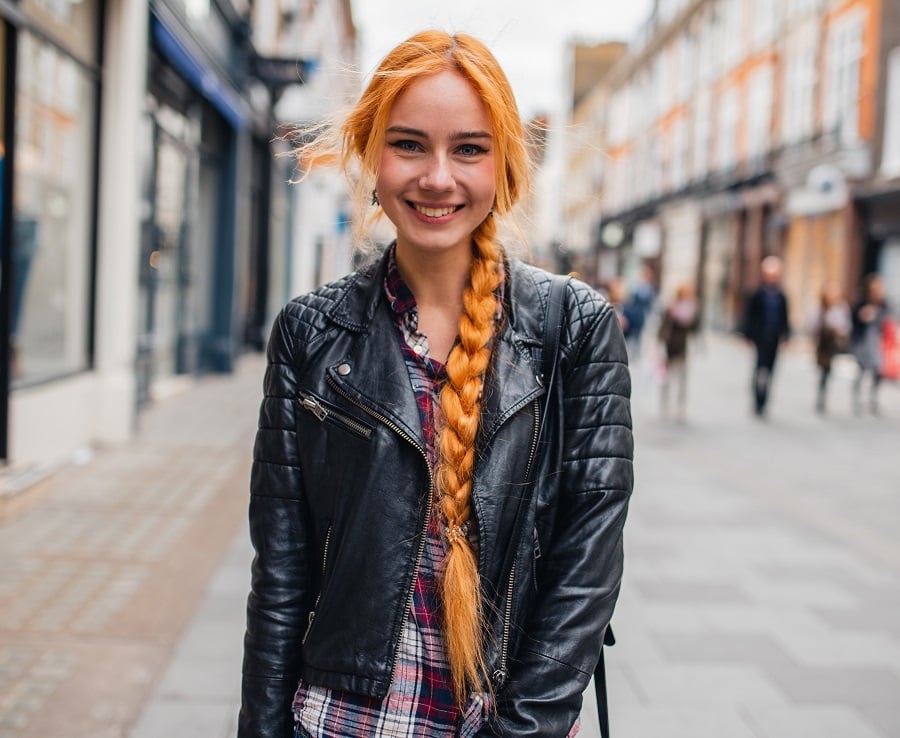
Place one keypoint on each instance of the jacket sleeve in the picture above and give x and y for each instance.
(280, 575)
(582, 561)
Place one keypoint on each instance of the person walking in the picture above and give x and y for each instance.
(637, 309)
(832, 332)
(765, 325)
(680, 319)
(444, 457)
(869, 317)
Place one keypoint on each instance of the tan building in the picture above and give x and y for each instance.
(582, 190)
(740, 128)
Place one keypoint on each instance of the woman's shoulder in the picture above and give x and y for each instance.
(320, 307)
(534, 282)
(585, 306)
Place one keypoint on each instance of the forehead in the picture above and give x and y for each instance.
(442, 101)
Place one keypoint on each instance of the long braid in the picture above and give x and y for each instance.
(461, 406)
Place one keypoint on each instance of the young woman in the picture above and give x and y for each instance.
(869, 317)
(427, 563)
(680, 319)
(831, 333)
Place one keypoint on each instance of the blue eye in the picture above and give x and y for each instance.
(471, 149)
(404, 145)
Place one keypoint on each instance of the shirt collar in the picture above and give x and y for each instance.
(400, 296)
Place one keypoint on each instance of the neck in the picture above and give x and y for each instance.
(436, 279)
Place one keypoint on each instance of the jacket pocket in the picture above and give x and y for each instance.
(326, 413)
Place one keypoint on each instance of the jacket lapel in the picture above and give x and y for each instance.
(373, 373)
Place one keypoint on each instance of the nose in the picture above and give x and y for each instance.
(438, 174)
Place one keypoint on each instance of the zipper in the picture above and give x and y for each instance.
(534, 438)
(323, 412)
(428, 505)
(312, 614)
(501, 674)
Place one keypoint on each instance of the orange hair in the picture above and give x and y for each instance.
(362, 134)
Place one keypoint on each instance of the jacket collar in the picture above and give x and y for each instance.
(382, 381)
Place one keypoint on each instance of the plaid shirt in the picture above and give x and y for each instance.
(421, 701)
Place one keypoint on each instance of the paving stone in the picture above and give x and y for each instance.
(684, 685)
(812, 722)
(852, 685)
(106, 573)
(718, 648)
(841, 648)
(885, 717)
(170, 718)
(716, 721)
(690, 591)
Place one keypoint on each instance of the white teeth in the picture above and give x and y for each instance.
(434, 212)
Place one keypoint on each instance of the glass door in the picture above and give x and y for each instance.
(167, 313)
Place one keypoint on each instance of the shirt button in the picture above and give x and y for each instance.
(343, 370)
(419, 349)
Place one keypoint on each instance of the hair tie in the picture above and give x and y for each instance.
(455, 532)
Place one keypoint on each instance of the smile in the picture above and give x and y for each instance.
(435, 212)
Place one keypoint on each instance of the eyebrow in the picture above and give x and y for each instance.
(462, 135)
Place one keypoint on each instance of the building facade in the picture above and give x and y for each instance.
(585, 165)
(146, 216)
(742, 128)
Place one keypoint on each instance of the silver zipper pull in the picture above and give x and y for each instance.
(312, 616)
(313, 405)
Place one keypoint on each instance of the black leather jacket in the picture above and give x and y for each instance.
(340, 496)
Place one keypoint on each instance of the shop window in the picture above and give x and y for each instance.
(843, 63)
(72, 22)
(52, 214)
(890, 162)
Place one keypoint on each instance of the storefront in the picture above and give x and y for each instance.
(116, 285)
(879, 214)
(196, 217)
(50, 91)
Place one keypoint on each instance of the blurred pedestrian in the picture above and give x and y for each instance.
(870, 315)
(637, 308)
(436, 511)
(680, 319)
(832, 332)
(765, 324)
(617, 296)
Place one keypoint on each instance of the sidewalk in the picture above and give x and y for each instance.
(762, 580)
(104, 571)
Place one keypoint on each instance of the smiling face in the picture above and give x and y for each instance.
(436, 174)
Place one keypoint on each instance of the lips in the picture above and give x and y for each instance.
(435, 212)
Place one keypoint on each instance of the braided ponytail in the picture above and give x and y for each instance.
(461, 407)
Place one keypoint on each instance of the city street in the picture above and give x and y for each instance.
(760, 599)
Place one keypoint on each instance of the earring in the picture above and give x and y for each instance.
(375, 198)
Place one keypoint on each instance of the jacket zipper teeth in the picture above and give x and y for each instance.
(507, 619)
(321, 412)
(312, 614)
(534, 438)
(422, 533)
(504, 644)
